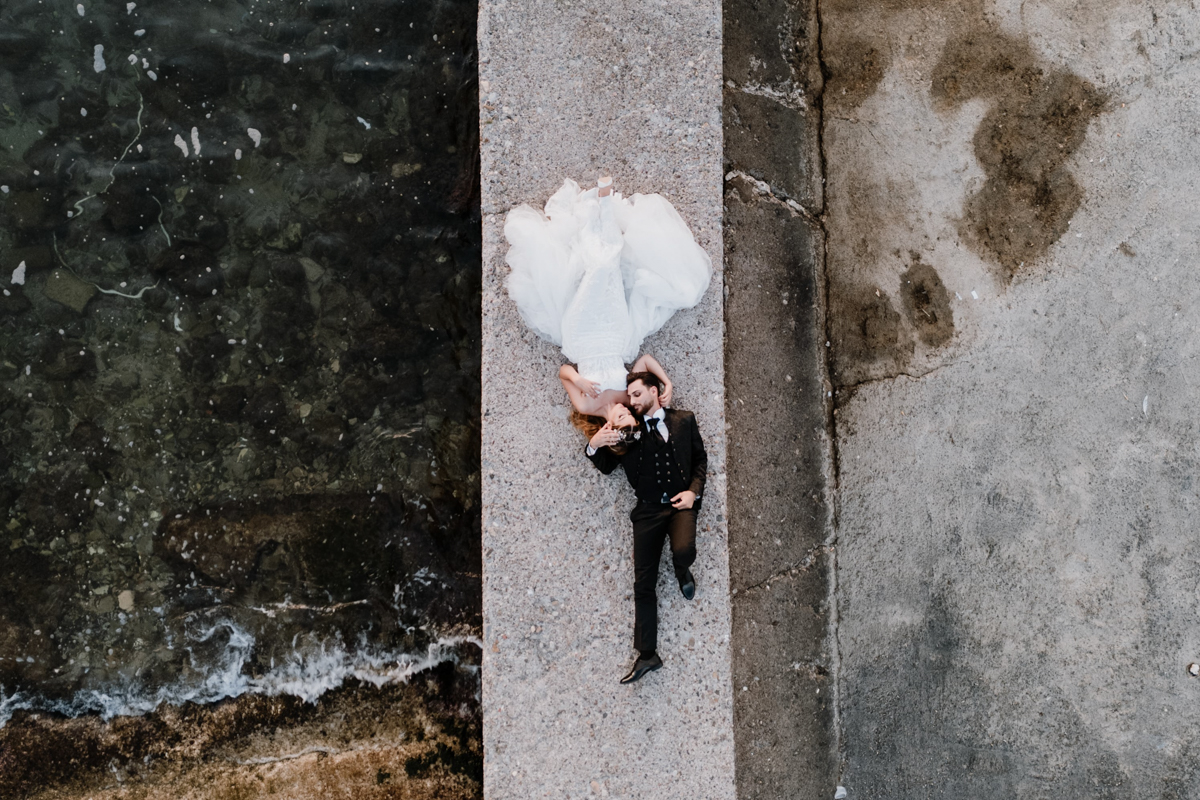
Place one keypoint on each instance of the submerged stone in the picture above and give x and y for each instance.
(175, 404)
(63, 287)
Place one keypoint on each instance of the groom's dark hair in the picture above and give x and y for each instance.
(647, 378)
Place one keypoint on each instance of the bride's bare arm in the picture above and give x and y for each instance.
(584, 394)
(648, 363)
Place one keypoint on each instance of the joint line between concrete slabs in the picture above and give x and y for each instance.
(832, 455)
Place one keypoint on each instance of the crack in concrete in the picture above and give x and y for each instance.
(802, 565)
(853, 387)
(832, 454)
(773, 195)
(793, 98)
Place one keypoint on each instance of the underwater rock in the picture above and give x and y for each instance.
(130, 208)
(190, 401)
(31, 210)
(71, 362)
(18, 47)
(289, 271)
(38, 91)
(191, 268)
(63, 287)
(194, 75)
(213, 234)
(36, 259)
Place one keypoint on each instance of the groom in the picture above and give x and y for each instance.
(666, 467)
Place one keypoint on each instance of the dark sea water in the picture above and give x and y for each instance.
(239, 349)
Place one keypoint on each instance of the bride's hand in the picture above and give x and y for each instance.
(589, 388)
(665, 398)
(605, 437)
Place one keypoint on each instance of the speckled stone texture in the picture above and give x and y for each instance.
(572, 90)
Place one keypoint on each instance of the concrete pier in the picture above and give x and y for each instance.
(567, 90)
(1013, 303)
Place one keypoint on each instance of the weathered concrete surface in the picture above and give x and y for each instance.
(1017, 565)
(571, 90)
(780, 559)
(780, 553)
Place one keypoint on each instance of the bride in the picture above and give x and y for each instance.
(597, 273)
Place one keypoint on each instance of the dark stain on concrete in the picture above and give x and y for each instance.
(925, 723)
(926, 303)
(867, 331)
(852, 72)
(1039, 119)
(1181, 773)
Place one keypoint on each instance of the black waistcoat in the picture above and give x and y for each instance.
(660, 472)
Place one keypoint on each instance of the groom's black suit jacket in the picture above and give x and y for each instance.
(683, 437)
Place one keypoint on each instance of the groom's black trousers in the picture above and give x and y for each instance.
(653, 523)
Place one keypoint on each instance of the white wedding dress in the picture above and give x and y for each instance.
(597, 275)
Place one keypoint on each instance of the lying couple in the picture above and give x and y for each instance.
(596, 273)
(664, 460)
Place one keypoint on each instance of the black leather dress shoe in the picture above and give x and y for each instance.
(641, 667)
(687, 585)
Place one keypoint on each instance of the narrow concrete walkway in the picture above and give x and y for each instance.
(568, 91)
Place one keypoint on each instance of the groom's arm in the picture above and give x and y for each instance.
(604, 459)
(699, 462)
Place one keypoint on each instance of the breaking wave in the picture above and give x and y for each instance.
(307, 673)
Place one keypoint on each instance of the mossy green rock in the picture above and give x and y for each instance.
(63, 287)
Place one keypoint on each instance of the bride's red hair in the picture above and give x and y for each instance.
(588, 424)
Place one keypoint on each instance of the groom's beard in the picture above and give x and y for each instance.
(648, 408)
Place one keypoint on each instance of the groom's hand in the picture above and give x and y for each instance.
(605, 437)
(684, 499)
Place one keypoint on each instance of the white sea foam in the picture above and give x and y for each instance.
(98, 59)
(307, 673)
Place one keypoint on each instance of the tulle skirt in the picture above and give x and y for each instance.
(596, 276)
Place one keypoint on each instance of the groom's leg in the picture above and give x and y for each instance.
(682, 530)
(649, 532)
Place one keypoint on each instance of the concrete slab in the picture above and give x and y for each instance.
(568, 90)
(1011, 249)
(780, 553)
